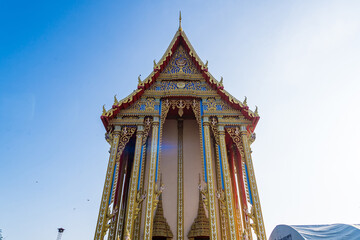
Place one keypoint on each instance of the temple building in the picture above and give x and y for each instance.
(180, 162)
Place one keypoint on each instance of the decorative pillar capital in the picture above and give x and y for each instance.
(140, 128)
(221, 129)
(243, 130)
(117, 128)
(206, 121)
(115, 134)
(156, 120)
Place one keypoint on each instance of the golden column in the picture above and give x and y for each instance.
(227, 181)
(256, 212)
(133, 200)
(149, 214)
(137, 223)
(180, 182)
(236, 168)
(210, 180)
(119, 141)
(103, 218)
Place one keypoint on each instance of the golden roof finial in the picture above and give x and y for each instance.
(104, 110)
(116, 102)
(256, 110)
(155, 63)
(139, 79)
(221, 80)
(245, 101)
(180, 28)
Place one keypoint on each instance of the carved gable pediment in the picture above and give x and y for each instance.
(180, 66)
(181, 62)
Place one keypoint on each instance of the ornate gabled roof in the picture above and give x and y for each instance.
(180, 40)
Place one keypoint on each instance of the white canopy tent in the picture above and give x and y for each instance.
(316, 232)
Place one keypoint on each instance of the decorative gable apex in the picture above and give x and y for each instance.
(181, 63)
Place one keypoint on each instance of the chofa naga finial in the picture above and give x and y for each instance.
(180, 28)
(256, 110)
(115, 100)
(221, 80)
(139, 79)
(245, 101)
(104, 110)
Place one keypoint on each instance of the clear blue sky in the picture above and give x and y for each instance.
(60, 61)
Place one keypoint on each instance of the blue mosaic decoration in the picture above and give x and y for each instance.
(146, 105)
(211, 104)
(180, 63)
(166, 85)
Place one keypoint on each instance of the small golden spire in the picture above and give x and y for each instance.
(116, 102)
(139, 79)
(104, 110)
(161, 228)
(180, 28)
(200, 226)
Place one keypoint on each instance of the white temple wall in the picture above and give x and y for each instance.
(168, 169)
(192, 169)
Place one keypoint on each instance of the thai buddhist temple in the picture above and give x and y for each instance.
(180, 163)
